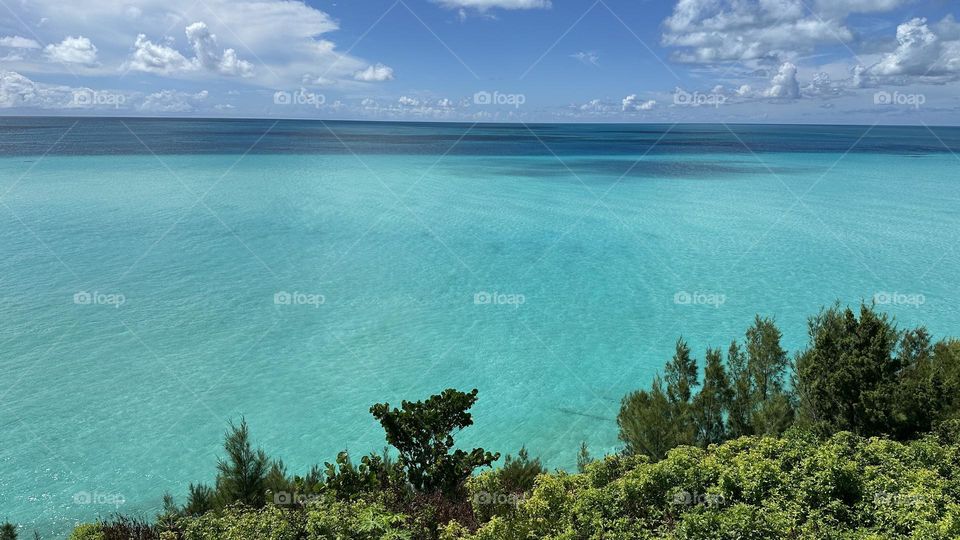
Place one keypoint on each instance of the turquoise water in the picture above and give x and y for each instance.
(387, 248)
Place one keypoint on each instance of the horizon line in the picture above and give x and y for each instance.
(465, 122)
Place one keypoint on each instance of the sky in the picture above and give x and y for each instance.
(775, 61)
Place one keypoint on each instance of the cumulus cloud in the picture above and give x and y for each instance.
(484, 5)
(822, 85)
(210, 57)
(632, 103)
(713, 31)
(72, 50)
(374, 73)
(921, 52)
(290, 36)
(408, 101)
(18, 42)
(151, 57)
(17, 90)
(784, 84)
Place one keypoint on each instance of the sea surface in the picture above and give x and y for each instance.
(160, 278)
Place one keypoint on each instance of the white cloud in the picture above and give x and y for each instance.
(210, 57)
(19, 91)
(18, 42)
(151, 57)
(921, 52)
(72, 50)
(632, 103)
(713, 31)
(163, 59)
(375, 73)
(593, 106)
(171, 101)
(16, 90)
(587, 57)
(289, 36)
(483, 5)
(784, 84)
(822, 85)
(408, 101)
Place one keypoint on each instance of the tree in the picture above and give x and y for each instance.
(242, 476)
(583, 457)
(647, 422)
(681, 374)
(8, 531)
(423, 431)
(741, 399)
(847, 377)
(201, 499)
(376, 473)
(767, 361)
(712, 404)
(518, 474)
(771, 410)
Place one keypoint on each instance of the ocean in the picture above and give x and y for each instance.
(162, 277)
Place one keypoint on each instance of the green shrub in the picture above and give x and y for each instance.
(354, 520)
(498, 492)
(242, 523)
(794, 486)
(87, 531)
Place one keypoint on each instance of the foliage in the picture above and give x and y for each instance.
(497, 492)
(356, 520)
(647, 423)
(713, 402)
(242, 523)
(374, 474)
(422, 432)
(860, 373)
(241, 477)
(86, 531)
(583, 457)
(8, 531)
(795, 486)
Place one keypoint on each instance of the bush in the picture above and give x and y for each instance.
(794, 486)
(498, 492)
(242, 523)
(87, 531)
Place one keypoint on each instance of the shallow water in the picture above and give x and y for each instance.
(387, 233)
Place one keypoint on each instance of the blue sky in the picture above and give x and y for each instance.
(837, 61)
